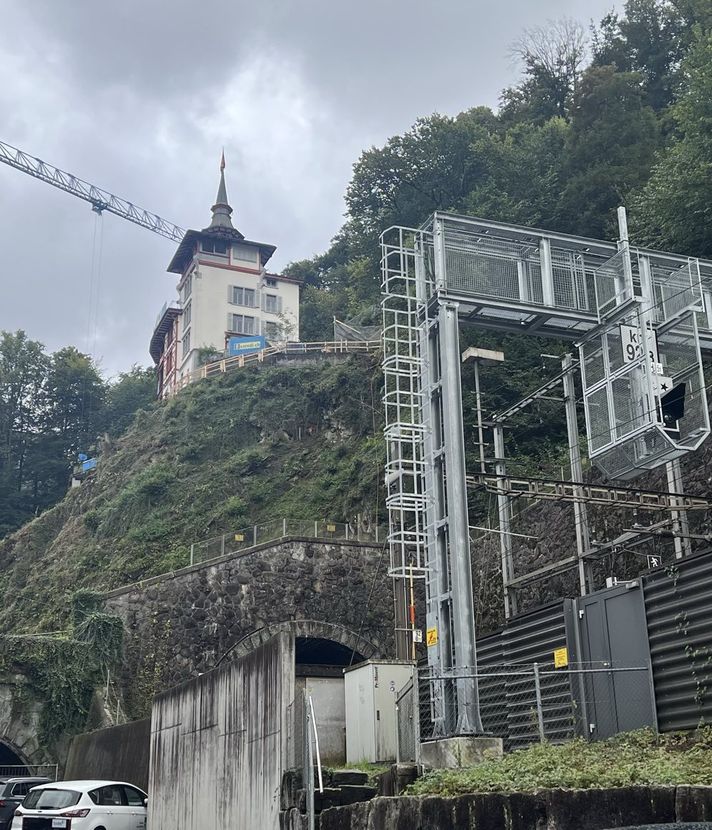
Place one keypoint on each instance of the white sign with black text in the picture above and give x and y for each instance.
(632, 344)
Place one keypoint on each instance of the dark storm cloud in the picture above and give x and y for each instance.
(140, 96)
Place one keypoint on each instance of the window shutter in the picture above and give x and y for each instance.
(230, 293)
(263, 306)
(229, 321)
(279, 305)
(258, 298)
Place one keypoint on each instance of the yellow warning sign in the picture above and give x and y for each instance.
(239, 537)
(561, 657)
(331, 528)
(431, 636)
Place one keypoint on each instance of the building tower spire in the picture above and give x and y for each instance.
(221, 209)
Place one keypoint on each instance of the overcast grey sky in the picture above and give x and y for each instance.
(139, 96)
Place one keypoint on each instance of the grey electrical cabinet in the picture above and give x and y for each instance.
(370, 691)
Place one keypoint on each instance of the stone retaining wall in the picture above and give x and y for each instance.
(180, 625)
(546, 810)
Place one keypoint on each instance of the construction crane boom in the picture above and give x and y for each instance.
(99, 199)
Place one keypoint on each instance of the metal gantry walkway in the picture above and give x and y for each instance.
(456, 269)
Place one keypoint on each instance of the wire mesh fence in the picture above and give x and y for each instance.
(248, 537)
(530, 703)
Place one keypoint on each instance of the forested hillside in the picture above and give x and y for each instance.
(621, 114)
(52, 407)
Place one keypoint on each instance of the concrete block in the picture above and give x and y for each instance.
(397, 778)
(340, 777)
(464, 751)
(353, 793)
(693, 803)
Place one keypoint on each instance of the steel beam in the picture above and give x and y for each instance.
(583, 541)
(504, 508)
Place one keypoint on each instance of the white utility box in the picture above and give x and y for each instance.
(370, 691)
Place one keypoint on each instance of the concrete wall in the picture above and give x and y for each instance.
(119, 752)
(181, 624)
(327, 695)
(220, 743)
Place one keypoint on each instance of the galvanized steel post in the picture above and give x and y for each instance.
(463, 610)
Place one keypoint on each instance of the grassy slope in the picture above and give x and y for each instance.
(259, 444)
(633, 758)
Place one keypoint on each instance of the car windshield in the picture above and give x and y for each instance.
(50, 799)
(5, 789)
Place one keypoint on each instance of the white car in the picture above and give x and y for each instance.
(82, 805)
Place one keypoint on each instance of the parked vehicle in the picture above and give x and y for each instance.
(12, 792)
(82, 805)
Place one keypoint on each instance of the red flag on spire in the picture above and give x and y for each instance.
(222, 161)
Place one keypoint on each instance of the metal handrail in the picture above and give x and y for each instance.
(228, 364)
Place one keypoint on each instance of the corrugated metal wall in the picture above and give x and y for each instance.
(493, 703)
(678, 607)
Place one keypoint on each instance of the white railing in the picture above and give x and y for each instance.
(229, 364)
(253, 535)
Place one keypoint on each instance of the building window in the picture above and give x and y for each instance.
(186, 343)
(272, 303)
(243, 296)
(243, 254)
(242, 324)
(272, 331)
(213, 246)
(187, 288)
(187, 315)
(270, 282)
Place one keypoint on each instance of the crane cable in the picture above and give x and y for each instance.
(97, 246)
(94, 291)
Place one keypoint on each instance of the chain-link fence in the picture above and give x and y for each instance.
(530, 703)
(248, 537)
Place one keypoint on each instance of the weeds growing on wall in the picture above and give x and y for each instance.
(63, 671)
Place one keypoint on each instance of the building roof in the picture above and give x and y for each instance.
(220, 227)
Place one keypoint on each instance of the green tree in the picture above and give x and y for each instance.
(648, 39)
(610, 150)
(553, 58)
(134, 390)
(674, 208)
(23, 373)
(76, 396)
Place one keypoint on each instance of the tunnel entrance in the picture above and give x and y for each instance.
(10, 762)
(317, 656)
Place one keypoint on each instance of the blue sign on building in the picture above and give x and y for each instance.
(245, 345)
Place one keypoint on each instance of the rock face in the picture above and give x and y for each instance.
(181, 624)
(546, 810)
(20, 721)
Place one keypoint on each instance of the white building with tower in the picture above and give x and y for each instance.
(225, 294)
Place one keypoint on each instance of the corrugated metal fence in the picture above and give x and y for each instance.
(524, 698)
(678, 609)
